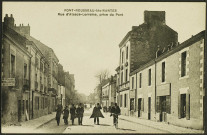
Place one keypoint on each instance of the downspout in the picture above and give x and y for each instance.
(136, 94)
(155, 86)
(29, 110)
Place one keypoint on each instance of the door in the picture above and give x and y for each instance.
(149, 108)
(163, 107)
(183, 105)
(19, 110)
(139, 107)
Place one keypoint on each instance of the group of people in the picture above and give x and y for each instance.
(74, 112)
(78, 112)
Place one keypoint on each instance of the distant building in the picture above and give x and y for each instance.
(109, 92)
(137, 48)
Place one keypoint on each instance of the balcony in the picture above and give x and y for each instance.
(36, 85)
(105, 97)
(26, 85)
(124, 86)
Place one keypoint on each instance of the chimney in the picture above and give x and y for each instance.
(9, 21)
(154, 17)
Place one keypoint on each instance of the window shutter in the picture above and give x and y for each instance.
(168, 104)
(187, 106)
(179, 105)
(157, 104)
(142, 106)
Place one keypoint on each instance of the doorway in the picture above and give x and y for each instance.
(149, 108)
(139, 107)
(183, 105)
(163, 107)
(19, 110)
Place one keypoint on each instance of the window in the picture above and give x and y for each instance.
(12, 65)
(149, 77)
(127, 52)
(132, 82)
(126, 77)
(25, 70)
(121, 77)
(163, 71)
(122, 58)
(125, 100)
(140, 80)
(183, 64)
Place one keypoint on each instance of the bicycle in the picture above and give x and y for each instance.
(116, 119)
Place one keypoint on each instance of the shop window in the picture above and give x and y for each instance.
(125, 100)
(183, 64)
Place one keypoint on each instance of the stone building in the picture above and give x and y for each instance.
(137, 48)
(170, 88)
(53, 61)
(61, 85)
(15, 75)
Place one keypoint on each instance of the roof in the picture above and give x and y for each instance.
(177, 48)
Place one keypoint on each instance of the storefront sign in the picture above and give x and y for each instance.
(8, 82)
(163, 90)
(132, 94)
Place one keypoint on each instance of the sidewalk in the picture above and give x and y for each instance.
(159, 125)
(28, 126)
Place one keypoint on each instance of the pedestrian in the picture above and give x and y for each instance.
(65, 115)
(58, 113)
(115, 111)
(72, 113)
(80, 111)
(97, 113)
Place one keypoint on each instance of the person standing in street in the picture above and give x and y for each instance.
(80, 111)
(65, 115)
(97, 113)
(58, 113)
(72, 113)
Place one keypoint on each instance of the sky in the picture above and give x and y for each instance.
(86, 45)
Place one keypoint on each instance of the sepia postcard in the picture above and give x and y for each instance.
(103, 67)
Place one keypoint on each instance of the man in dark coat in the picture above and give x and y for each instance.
(72, 113)
(80, 111)
(65, 115)
(115, 110)
(97, 113)
(58, 113)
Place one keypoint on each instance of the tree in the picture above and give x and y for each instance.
(102, 75)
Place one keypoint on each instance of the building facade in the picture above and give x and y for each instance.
(29, 75)
(15, 74)
(170, 88)
(137, 48)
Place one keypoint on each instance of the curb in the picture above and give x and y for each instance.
(44, 123)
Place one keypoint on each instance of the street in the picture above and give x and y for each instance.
(106, 126)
